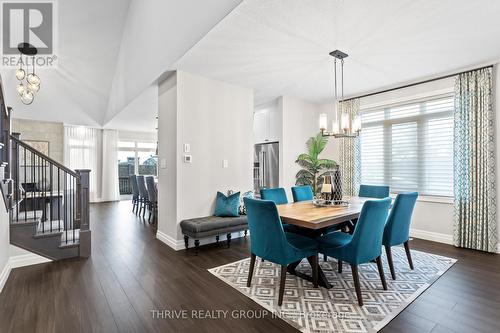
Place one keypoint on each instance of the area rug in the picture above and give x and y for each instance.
(336, 309)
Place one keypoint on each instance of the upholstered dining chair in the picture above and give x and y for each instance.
(270, 242)
(374, 191)
(302, 193)
(369, 191)
(153, 197)
(397, 228)
(143, 195)
(364, 245)
(135, 193)
(277, 195)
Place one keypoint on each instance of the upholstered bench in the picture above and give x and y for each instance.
(212, 226)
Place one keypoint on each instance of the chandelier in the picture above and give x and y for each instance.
(343, 124)
(29, 82)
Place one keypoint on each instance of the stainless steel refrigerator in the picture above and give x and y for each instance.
(266, 166)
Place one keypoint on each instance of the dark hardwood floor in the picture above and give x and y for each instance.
(131, 273)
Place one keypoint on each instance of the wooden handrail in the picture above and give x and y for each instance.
(52, 161)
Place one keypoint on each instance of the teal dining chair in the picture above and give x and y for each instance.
(369, 191)
(397, 228)
(302, 193)
(270, 242)
(364, 245)
(278, 195)
(374, 191)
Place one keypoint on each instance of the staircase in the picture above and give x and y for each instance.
(48, 203)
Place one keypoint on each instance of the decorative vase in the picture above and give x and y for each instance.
(337, 185)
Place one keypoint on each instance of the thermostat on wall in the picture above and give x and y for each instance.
(187, 158)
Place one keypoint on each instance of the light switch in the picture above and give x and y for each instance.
(163, 163)
(225, 163)
(187, 148)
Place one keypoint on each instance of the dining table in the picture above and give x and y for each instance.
(315, 220)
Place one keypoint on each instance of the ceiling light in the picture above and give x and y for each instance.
(27, 97)
(343, 126)
(32, 80)
(20, 74)
(20, 89)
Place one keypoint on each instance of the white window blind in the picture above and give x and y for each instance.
(409, 146)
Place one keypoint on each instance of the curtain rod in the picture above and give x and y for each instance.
(415, 84)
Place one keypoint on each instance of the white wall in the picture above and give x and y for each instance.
(215, 119)
(4, 245)
(167, 157)
(300, 122)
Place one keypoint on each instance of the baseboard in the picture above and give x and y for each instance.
(432, 236)
(19, 261)
(4, 275)
(170, 241)
(178, 245)
(27, 260)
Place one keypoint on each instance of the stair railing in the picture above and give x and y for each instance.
(47, 190)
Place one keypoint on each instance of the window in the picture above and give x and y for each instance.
(135, 157)
(409, 146)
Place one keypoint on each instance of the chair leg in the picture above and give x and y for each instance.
(144, 210)
(250, 270)
(408, 254)
(228, 240)
(325, 257)
(186, 241)
(381, 272)
(217, 239)
(282, 284)
(389, 260)
(339, 263)
(357, 286)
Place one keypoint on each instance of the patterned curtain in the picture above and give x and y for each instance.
(474, 162)
(350, 155)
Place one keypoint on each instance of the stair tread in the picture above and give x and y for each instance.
(28, 215)
(71, 239)
(44, 227)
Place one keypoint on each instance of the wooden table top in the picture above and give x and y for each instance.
(306, 215)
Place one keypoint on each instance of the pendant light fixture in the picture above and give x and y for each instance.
(27, 90)
(343, 124)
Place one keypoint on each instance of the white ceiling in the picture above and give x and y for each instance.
(280, 47)
(77, 91)
(277, 47)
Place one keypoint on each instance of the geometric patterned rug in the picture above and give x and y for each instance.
(336, 309)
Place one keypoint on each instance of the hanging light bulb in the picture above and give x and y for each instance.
(34, 87)
(33, 79)
(27, 97)
(20, 74)
(21, 89)
(323, 121)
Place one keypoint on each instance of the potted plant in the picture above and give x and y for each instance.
(313, 167)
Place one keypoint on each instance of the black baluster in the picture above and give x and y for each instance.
(24, 190)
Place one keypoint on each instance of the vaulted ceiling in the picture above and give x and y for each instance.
(111, 51)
